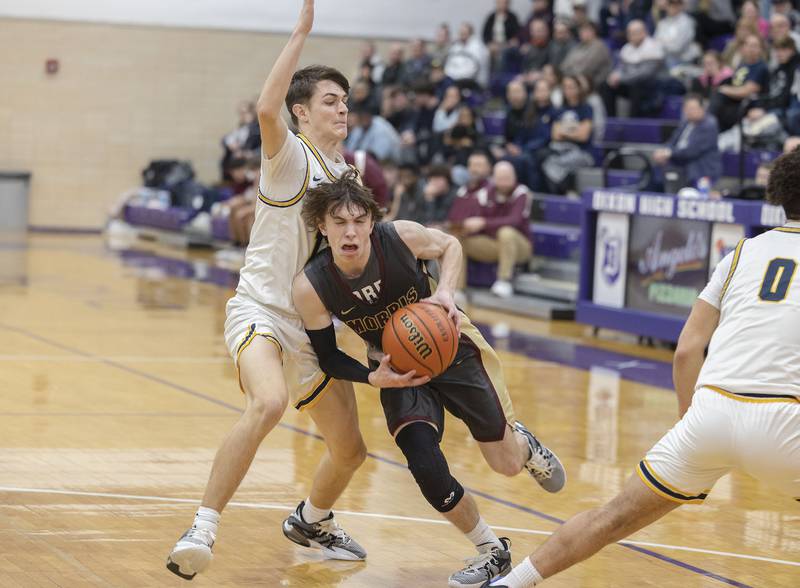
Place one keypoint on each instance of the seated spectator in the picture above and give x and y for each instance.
(446, 114)
(583, 13)
(590, 57)
(244, 141)
(372, 134)
(553, 78)
(777, 99)
(692, 150)
(479, 169)
(715, 73)
(493, 225)
(516, 112)
(536, 53)
(373, 60)
(785, 8)
(241, 206)
(713, 17)
(747, 82)
(751, 13)
(397, 109)
(675, 32)
(561, 43)
(540, 10)
(594, 100)
(427, 202)
(464, 138)
(439, 79)
(406, 193)
(732, 53)
(441, 44)
(363, 92)
(636, 77)
(468, 60)
(616, 15)
(395, 71)
(529, 145)
(500, 30)
(757, 189)
(420, 138)
(570, 139)
(418, 65)
(780, 29)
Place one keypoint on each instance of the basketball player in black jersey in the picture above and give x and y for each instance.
(370, 270)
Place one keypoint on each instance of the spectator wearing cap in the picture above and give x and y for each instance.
(675, 32)
(692, 149)
(747, 82)
(590, 57)
(777, 100)
(636, 77)
(493, 225)
(372, 133)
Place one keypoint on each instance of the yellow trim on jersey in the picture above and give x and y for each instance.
(317, 391)
(759, 399)
(737, 253)
(787, 229)
(245, 343)
(294, 199)
(665, 490)
(317, 155)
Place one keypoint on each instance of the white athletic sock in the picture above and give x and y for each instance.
(524, 575)
(483, 537)
(312, 514)
(206, 518)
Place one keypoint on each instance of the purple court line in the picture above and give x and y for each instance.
(377, 457)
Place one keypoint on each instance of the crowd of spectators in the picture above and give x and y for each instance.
(555, 70)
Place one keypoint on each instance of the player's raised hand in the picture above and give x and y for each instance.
(306, 19)
(386, 377)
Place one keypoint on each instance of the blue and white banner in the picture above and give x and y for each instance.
(610, 259)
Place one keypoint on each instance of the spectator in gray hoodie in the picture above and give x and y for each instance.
(636, 77)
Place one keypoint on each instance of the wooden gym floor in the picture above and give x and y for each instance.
(116, 390)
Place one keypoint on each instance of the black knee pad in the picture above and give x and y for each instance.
(419, 442)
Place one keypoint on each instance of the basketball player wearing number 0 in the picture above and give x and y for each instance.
(370, 270)
(740, 406)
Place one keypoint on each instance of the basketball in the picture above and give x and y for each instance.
(420, 337)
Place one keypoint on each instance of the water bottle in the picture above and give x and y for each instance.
(704, 187)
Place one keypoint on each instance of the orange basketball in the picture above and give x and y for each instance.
(420, 337)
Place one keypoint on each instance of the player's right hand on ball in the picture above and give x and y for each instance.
(385, 377)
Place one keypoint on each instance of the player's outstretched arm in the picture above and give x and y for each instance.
(427, 243)
(273, 94)
(690, 352)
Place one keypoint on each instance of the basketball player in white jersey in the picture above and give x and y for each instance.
(740, 407)
(264, 334)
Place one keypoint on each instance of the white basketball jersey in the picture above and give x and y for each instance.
(755, 350)
(280, 242)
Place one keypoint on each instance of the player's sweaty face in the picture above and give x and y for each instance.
(348, 229)
(328, 110)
